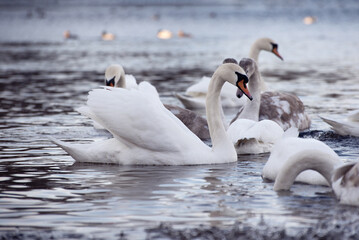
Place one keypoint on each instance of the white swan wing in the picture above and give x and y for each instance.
(251, 137)
(131, 81)
(86, 111)
(138, 118)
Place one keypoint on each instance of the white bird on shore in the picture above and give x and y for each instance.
(115, 77)
(343, 178)
(195, 95)
(248, 134)
(346, 127)
(146, 133)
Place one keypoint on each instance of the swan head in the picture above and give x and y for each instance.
(231, 72)
(115, 76)
(269, 45)
(248, 65)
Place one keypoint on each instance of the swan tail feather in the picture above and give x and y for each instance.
(339, 128)
(75, 151)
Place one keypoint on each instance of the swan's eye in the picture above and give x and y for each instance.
(111, 82)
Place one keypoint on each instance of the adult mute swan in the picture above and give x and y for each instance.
(249, 135)
(146, 133)
(289, 150)
(115, 77)
(195, 95)
(343, 178)
(347, 127)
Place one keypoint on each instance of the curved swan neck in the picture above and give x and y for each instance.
(251, 108)
(122, 80)
(254, 51)
(216, 127)
(323, 163)
(254, 54)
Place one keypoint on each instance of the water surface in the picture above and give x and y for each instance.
(43, 78)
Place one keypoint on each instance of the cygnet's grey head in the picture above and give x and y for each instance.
(230, 60)
(114, 76)
(248, 65)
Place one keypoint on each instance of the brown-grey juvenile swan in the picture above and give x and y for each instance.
(248, 134)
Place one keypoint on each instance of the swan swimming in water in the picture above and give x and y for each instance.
(146, 133)
(115, 77)
(347, 127)
(196, 94)
(343, 178)
(249, 135)
(285, 150)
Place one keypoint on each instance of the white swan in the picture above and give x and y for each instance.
(347, 127)
(289, 149)
(343, 178)
(115, 77)
(249, 135)
(195, 95)
(146, 133)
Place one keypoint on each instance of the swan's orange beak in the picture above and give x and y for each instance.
(275, 51)
(241, 84)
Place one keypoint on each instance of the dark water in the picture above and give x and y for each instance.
(43, 78)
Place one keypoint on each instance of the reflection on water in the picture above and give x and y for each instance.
(43, 79)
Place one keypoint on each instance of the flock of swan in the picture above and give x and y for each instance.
(147, 132)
